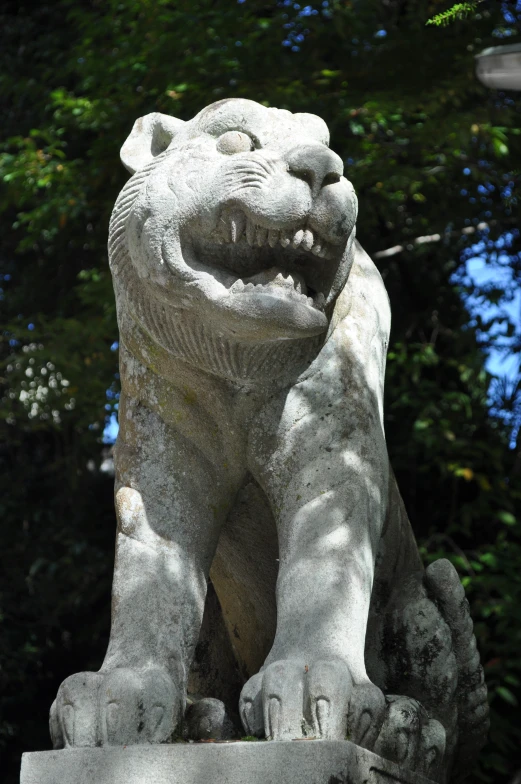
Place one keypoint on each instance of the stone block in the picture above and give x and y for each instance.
(284, 762)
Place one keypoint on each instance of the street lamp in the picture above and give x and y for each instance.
(500, 67)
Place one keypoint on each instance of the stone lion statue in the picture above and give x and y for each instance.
(254, 331)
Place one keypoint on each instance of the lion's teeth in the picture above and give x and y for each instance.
(297, 285)
(320, 300)
(237, 287)
(297, 239)
(249, 287)
(307, 240)
(237, 226)
(250, 233)
(273, 237)
(285, 238)
(286, 281)
(274, 278)
(261, 236)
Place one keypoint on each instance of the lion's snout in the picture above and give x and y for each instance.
(315, 164)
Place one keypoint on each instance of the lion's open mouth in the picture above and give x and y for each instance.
(294, 264)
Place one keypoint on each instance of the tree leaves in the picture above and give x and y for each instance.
(457, 11)
(433, 157)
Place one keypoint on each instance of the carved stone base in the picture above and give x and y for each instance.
(285, 762)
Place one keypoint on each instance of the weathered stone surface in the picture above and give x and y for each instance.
(253, 335)
(207, 719)
(324, 762)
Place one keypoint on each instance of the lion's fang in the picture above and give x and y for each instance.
(237, 226)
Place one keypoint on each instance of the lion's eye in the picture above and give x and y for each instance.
(234, 141)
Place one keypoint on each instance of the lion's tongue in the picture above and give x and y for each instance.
(275, 278)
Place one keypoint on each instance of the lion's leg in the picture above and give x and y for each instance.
(324, 467)
(314, 682)
(170, 504)
(315, 671)
(326, 478)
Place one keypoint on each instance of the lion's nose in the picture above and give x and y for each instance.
(316, 164)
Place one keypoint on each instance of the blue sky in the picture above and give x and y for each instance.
(484, 272)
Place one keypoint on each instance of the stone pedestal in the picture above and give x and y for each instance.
(284, 762)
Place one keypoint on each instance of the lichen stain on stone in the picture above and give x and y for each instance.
(190, 397)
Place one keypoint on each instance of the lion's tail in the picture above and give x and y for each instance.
(442, 581)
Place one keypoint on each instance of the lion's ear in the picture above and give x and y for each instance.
(150, 136)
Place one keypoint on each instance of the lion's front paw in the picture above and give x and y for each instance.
(290, 699)
(410, 738)
(119, 707)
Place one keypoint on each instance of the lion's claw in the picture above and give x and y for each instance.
(410, 738)
(290, 699)
(367, 710)
(118, 707)
(283, 700)
(328, 689)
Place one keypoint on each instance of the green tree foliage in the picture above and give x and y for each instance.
(433, 156)
(457, 11)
